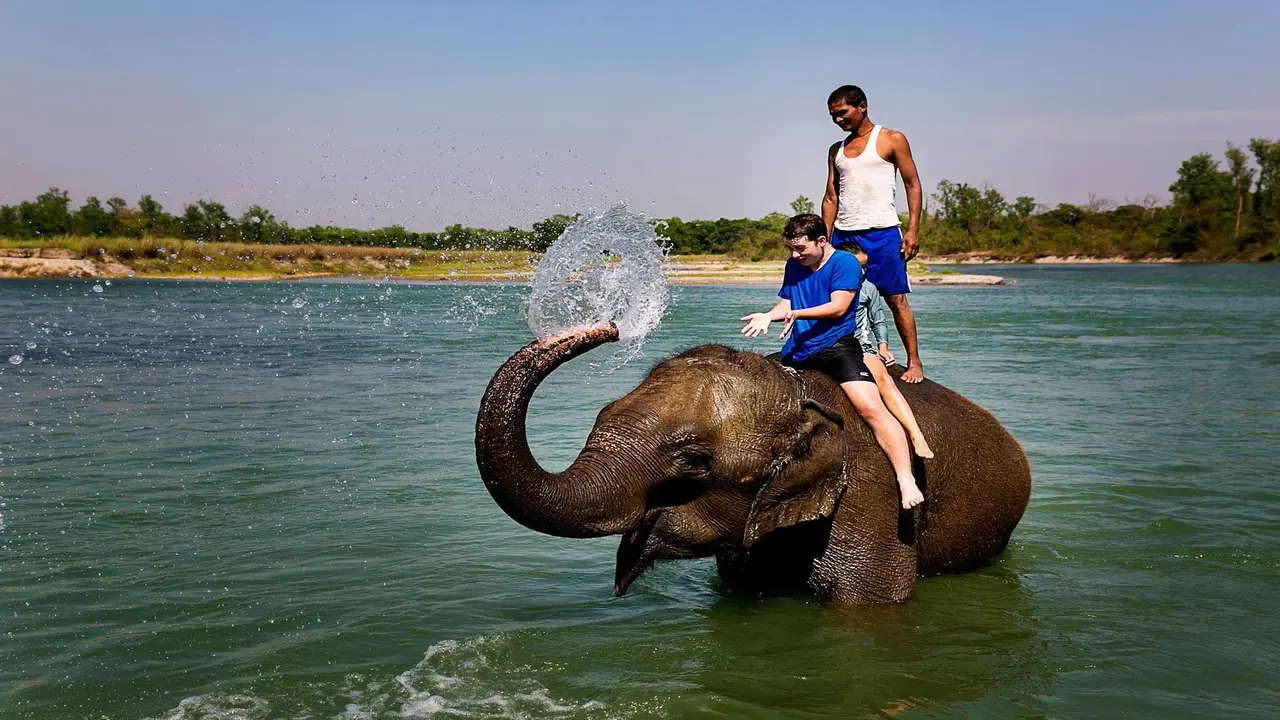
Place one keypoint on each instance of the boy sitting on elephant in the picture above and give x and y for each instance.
(819, 289)
(875, 353)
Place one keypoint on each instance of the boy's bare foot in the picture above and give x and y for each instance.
(911, 495)
(921, 447)
(914, 373)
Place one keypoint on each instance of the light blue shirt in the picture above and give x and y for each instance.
(870, 319)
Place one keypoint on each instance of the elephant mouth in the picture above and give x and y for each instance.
(635, 554)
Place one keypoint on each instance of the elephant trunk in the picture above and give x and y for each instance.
(586, 500)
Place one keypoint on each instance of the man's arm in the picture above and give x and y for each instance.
(758, 323)
(830, 197)
(915, 198)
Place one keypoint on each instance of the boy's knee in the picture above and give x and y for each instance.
(868, 406)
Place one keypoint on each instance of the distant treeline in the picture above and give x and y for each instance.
(1214, 214)
(50, 215)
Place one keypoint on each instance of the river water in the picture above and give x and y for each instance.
(259, 500)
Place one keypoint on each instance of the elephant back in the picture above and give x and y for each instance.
(976, 488)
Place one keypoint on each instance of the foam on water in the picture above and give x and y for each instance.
(455, 678)
(219, 706)
(606, 267)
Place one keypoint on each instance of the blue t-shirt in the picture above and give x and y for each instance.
(807, 288)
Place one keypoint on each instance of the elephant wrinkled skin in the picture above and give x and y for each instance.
(728, 454)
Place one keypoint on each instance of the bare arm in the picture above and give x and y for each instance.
(831, 197)
(915, 197)
(758, 323)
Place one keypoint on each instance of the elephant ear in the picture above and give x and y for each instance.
(808, 480)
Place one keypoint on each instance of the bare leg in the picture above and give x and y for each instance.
(905, 319)
(866, 400)
(897, 404)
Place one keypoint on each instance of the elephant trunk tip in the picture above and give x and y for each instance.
(600, 332)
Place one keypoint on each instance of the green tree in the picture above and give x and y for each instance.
(9, 221)
(1266, 154)
(205, 220)
(259, 225)
(48, 215)
(801, 206)
(93, 219)
(1202, 200)
(155, 221)
(1242, 183)
(1024, 207)
(548, 230)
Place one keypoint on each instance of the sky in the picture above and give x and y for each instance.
(490, 114)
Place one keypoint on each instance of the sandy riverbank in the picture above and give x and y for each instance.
(984, 259)
(57, 262)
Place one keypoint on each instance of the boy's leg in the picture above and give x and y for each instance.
(866, 400)
(905, 319)
(897, 404)
(887, 270)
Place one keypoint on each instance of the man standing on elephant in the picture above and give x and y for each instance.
(859, 207)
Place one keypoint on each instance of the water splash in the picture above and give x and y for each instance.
(606, 267)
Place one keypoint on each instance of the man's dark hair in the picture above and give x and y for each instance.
(807, 225)
(851, 94)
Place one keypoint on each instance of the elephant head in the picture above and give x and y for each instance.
(713, 451)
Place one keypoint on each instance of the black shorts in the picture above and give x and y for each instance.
(841, 362)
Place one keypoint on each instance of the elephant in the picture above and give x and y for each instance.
(725, 453)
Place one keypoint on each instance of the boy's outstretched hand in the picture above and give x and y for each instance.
(757, 324)
(788, 323)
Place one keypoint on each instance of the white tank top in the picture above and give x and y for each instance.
(868, 186)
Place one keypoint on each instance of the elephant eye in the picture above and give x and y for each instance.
(693, 458)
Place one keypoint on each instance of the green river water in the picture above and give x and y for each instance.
(260, 500)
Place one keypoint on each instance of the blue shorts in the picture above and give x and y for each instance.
(885, 267)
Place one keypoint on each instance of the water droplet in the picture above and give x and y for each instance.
(129, 274)
(299, 302)
(31, 346)
(15, 359)
(107, 283)
(97, 287)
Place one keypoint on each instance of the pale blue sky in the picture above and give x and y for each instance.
(497, 113)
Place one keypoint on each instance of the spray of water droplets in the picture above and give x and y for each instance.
(606, 267)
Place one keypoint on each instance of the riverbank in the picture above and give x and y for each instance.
(982, 258)
(117, 258)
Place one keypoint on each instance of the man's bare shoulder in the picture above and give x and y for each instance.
(835, 147)
(893, 136)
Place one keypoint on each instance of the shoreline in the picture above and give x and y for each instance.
(47, 263)
(985, 259)
(269, 263)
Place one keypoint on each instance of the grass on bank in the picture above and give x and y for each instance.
(173, 258)
(159, 257)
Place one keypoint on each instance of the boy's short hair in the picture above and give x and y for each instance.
(851, 94)
(807, 225)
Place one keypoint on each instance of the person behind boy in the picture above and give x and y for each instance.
(874, 339)
(819, 287)
(859, 207)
